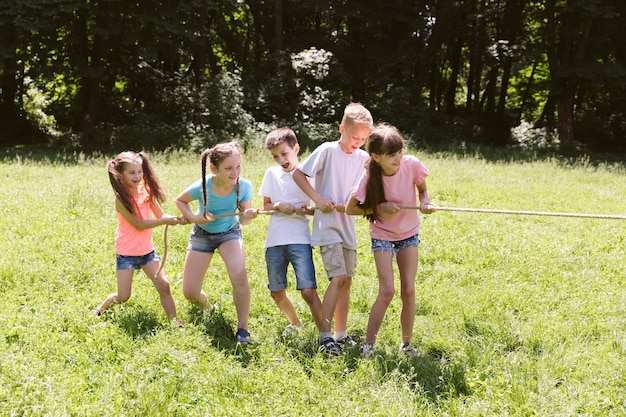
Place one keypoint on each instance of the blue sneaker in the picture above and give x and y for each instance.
(330, 347)
(242, 337)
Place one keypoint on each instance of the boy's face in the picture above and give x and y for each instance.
(286, 156)
(353, 136)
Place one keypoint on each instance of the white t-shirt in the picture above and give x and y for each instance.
(278, 185)
(335, 173)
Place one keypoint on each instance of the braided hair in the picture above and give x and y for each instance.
(216, 155)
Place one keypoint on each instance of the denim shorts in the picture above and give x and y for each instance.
(135, 262)
(202, 241)
(379, 244)
(277, 258)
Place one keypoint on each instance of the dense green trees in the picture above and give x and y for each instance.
(99, 73)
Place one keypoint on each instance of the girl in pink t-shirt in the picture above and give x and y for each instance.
(388, 184)
(138, 197)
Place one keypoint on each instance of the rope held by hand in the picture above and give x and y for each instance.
(164, 251)
(525, 213)
(238, 213)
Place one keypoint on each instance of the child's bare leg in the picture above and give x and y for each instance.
(285, 305)
(329, 302)
(234, 260)
(315, 305)
(407, 265)
(386, 292)
(162, 285)
(343, 305)
(196, 265)
(124, 287)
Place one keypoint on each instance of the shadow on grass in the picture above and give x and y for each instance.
(221, 331)
(137, 323)
(430, 372)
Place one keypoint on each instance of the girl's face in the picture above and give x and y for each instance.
(389, 163)
(286, 156)
(353, 136)
(132, 175)
(228, 169)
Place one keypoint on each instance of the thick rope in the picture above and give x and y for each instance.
(238, 213)
(525, 213)
(478, 210)
(164, 251)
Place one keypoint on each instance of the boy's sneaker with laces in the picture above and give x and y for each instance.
(346, 341)
(407, 349)
(242, 337)
(290, 331)
(330, 347)
(367, 351)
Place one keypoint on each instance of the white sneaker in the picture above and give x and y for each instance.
(408, 350)
(367, 351)
(291, 331)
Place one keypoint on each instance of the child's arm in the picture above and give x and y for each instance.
(143, 224)
(247, 213)
(426, 206)
(182, 202)
(158, 212)
(355, 208)
(280, 206)
(320, 203)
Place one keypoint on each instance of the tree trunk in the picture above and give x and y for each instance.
(563, 56)
(278, 25)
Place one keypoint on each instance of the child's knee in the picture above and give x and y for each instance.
(122, 298)
(278, 295)
(161, 285)
(340, 281)
(309, 294)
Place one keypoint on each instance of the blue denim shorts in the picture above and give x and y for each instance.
(202, 241)
(379, 244)
(277, 258)
(135, 262)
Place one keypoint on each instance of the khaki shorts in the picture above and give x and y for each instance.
(337, 260)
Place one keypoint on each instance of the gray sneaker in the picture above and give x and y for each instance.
(346, 342)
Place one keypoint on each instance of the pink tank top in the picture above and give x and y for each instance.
(130, 241)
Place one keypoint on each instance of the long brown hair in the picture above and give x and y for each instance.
(384, 139)
(216, 155)
(152, 185)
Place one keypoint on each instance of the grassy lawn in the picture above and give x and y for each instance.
(516, 315)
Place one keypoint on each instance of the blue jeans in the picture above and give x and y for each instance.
(277, 258)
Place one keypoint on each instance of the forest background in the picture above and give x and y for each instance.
(108, 75)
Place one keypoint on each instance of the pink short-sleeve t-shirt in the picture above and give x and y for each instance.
(400, 188)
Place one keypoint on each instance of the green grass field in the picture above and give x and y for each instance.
(516, 315)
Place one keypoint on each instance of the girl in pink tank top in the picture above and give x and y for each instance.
(138, 198)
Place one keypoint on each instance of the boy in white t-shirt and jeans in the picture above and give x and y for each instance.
(288, 237)
(336, 167)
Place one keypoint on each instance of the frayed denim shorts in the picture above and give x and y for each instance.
(202, 241)
(395, 247)
(135, 262)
